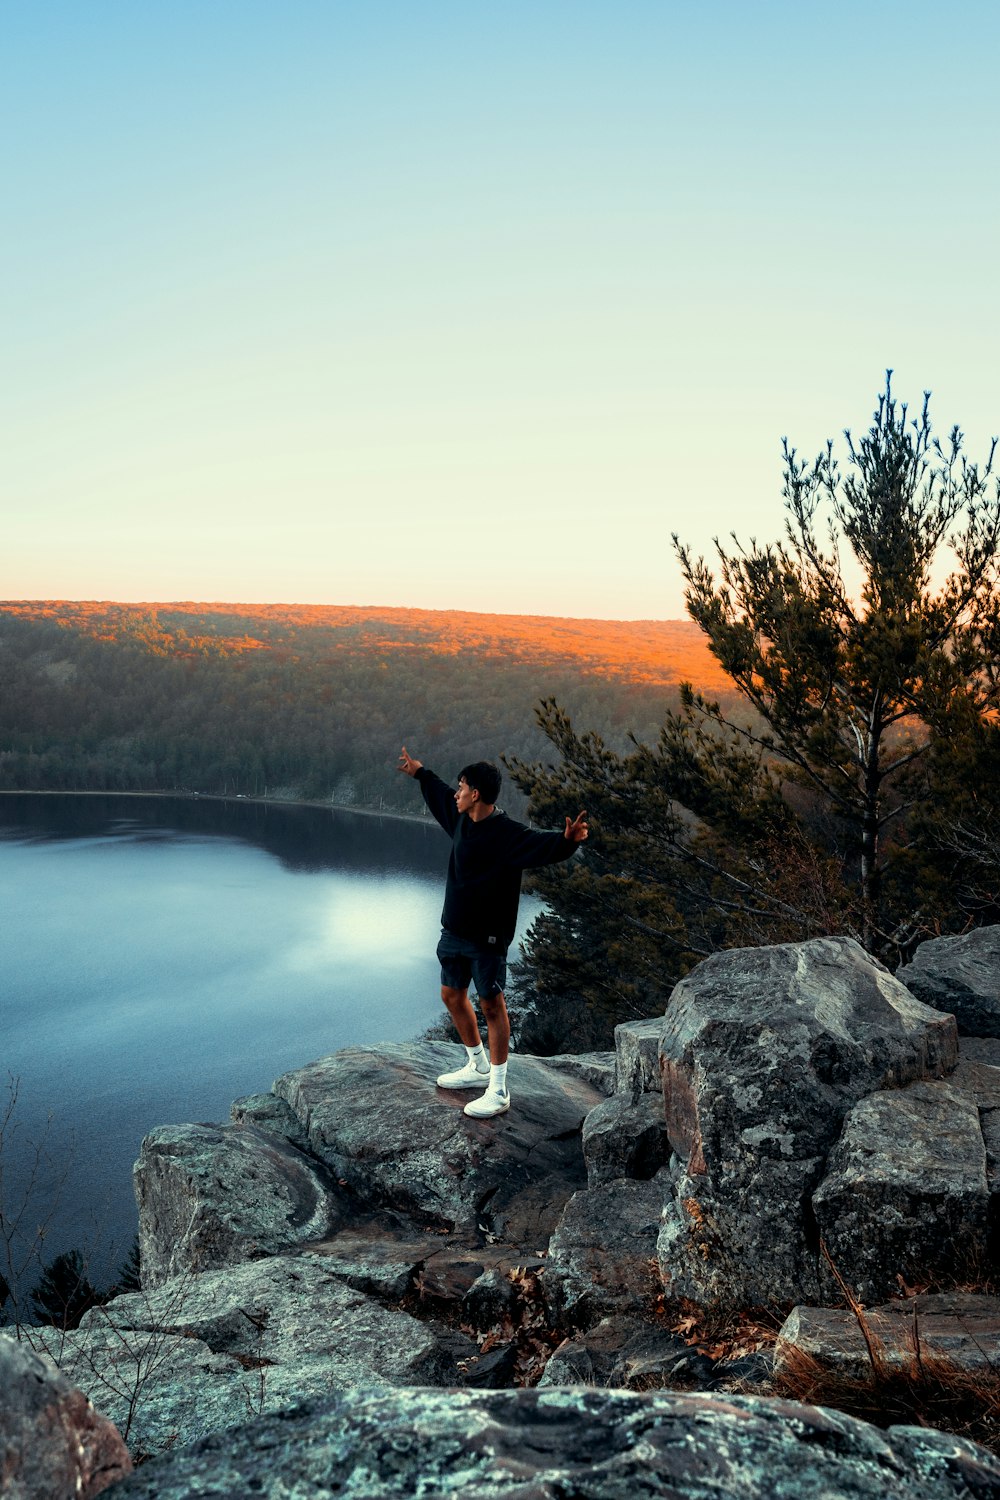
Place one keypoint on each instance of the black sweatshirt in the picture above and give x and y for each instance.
(484, 871)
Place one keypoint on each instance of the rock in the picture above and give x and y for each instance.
(979, 1080)
(605, 1445)
(742, 1374)
(960, 975)
(637, 1057)
(376, 1118)
(763, 1051)
(203, 1352)
(905, 1195)
(271, 1114)
(602, 1257)
(53, 1444)
(216, 1195)
(595, 1068)
(491, 1298)
(979, 1077)
(628, 1353)
(981, 1049)
(494, 1371)
(960, 1330)
(375, 1258)
(622, 1139)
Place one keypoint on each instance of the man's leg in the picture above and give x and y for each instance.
(496, 1100)
(497, 1026)
(476, 1071)
(459, 1007)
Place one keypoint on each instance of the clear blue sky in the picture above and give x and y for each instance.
(470, 306)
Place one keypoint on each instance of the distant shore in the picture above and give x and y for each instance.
(361, 812)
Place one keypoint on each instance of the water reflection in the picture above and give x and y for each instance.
(160, 958)
(302, 838)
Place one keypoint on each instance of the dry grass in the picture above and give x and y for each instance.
(928, 1391)
(913, 1386)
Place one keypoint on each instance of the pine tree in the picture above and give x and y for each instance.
(835, 804)
(854, 688)
(691, 848)
(64, 1292)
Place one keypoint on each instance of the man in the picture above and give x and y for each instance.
(488, 853)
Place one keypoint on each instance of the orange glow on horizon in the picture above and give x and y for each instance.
(655, 652)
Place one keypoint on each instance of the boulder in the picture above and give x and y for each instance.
(978, 1076)
(931, 1334)
(53, 1444)
(376, 1258)
(981, 1049)
(960, 975)
(602, 1257)
(763, 1051)
(375, 1117)
(216, 1195)
(622, 1139)
(269, 1113)
(905, 1197)
(637, 1057)
(203, 1352)
(606, 1445)
(595, 1068)
(628, 1353)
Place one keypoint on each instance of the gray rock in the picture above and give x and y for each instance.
(376, 1259)
(375, 1116)
(989, 1120)
(605, 1445)
(763, 1051)
(216, 1195)
(271, 1114)
(981, 1049)
(941, 1331)
(960, 975)
(595, 1068)
(602, 1257)
(494, 1371)
(981, 1081)
(637, 1057)
(905, 1194)
(748, 1373)
(203, 1352)
(978, 1077)
(491, 1298)
(622, 1139)
(53, 1444)
(624, 1353)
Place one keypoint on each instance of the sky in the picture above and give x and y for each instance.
(466, 306)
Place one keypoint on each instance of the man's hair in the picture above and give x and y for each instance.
(484, 778)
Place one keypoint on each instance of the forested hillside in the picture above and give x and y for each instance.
(312, 702)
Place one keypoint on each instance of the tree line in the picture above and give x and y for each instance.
(113, 698)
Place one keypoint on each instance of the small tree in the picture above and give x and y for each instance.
(64, 1291)
(853, 690)
(692, 848)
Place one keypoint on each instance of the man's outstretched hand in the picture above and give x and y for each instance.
(576, 828)
(411, 767)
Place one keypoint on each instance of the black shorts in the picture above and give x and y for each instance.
(463, 960)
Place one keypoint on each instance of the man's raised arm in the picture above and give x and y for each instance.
(438, 795)
(408, 764)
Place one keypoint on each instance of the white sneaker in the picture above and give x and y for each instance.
(492, 1103)
(469, 1077)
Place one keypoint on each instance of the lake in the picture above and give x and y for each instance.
(160, 957)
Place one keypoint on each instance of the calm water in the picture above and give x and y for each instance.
(159, 958)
